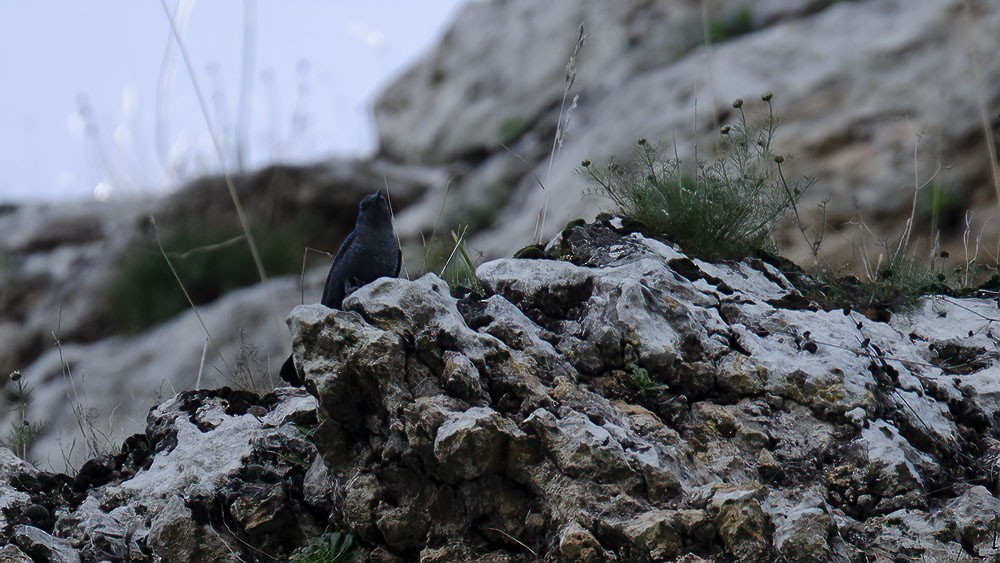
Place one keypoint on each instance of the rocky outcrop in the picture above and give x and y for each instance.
(621, 399)
(216, 473)
(868, 93)
(610, 398)
(92, 387)
(855, 101)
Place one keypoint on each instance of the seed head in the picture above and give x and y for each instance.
(15, 375)
(586, 163)
(766, 96)
(779, 159)
(642, 140)
(738, 103)
(725, 130)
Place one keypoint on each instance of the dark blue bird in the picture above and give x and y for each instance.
(368, 253)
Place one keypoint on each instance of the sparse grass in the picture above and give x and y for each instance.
(250, 371)
(96, 440)
(332, 547)
(897, 279)
(896, 285)
(728, 207)
(454, 263)
(562, 125)
(210, 259)
(724, 208)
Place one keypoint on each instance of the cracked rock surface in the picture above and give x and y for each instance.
(611, 398)
(218, 476)
(509, 425)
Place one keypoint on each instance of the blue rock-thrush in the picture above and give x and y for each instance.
(368, 253)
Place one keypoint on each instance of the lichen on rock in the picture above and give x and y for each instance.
(635, 405)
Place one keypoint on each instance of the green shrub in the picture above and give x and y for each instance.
(210, 259)
(724, 208)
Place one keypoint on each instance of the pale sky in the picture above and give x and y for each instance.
(92, 105)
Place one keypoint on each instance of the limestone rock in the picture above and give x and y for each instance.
(653, 535)
(576, 543)
(175, 531)
(12, 554)
(609, 399)
(804, 536)
(44, 546)
(471, 443)
(204, 457)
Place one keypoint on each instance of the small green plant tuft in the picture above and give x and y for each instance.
(735, 23)
(454, 263)
(724, 208)
(642, 381)
(511, 129)
(332, 547)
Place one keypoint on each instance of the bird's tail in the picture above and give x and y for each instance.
(289, 373)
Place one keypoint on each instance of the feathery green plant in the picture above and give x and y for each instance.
(22, 432)
(724, 208)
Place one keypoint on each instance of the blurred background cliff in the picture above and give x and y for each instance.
(475, 117)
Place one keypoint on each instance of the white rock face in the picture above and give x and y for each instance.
(609, 399)
(11, 465)
(204, 453)
(869, 94)
(682, 404)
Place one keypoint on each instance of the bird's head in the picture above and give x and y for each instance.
(374, 209)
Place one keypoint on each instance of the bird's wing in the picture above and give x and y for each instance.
(336, 280)
(399, 261)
